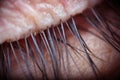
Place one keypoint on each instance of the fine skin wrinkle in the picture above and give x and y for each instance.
(84, 46)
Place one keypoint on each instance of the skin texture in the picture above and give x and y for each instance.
(104, 56)
(23, 17)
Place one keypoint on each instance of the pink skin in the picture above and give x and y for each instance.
(99, 48)
(25, 16)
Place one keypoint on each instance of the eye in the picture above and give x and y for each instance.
(69, 41)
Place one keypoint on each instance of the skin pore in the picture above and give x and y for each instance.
(105, 57)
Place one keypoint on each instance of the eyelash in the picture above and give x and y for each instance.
(49, 39)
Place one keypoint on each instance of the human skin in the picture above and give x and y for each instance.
(25, 16)
(105, 57)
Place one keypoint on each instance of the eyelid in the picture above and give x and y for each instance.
(30, 18)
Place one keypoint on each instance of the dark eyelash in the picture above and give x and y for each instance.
(107, 30)
(51, 42)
